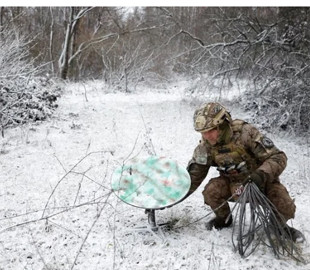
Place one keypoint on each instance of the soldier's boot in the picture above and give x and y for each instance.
(219, 223)
(294, 234)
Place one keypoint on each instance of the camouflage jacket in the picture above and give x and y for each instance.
(245, 151)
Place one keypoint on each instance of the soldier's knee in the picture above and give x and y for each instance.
(282, 201)
(215, 190)
(210, 192)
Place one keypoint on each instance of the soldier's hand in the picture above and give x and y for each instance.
(257, 178)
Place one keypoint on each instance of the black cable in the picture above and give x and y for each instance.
(263, 225)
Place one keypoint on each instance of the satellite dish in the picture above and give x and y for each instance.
(151, 183)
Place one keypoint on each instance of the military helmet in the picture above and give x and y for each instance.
(209, 116)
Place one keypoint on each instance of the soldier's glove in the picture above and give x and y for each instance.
(258, 178)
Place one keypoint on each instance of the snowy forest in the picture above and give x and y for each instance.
(266, 47)
(84, 89)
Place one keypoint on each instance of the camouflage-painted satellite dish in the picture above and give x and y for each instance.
(151, 183)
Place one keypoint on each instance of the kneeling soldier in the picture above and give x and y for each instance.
(240, 153)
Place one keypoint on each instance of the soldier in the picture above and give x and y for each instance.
(241, 154)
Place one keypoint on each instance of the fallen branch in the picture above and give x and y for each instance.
(44, 218)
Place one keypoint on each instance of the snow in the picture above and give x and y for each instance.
(57, 210)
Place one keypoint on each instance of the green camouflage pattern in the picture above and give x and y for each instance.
(244, 144)
(209, 116)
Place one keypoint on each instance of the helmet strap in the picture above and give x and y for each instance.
(225, 132)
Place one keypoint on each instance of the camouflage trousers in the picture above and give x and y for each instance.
(220, 189)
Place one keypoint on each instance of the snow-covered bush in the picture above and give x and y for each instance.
(23, 101)
(23, 95)
(281, 108)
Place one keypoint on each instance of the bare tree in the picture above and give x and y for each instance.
(67, 54)
(268, 46)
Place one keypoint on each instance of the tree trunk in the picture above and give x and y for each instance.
(64, 58)
(51, 41)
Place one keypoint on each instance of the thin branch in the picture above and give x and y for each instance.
(59, 182)
(88, 233)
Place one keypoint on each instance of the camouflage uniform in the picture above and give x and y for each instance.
(242, 151)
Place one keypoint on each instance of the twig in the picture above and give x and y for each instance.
(55, 214)
(195, 221)
(60, 163)
(147, 133)
(38, 251)
(213, 264)
(64, 228)
(90, 179)
(80, 184)
(58, 183)
(88, 233)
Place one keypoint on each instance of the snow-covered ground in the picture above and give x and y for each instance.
(56, 206)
